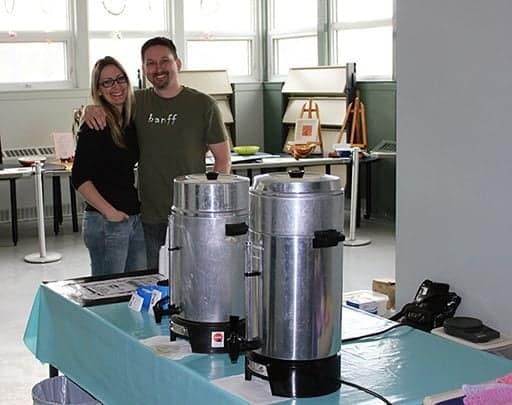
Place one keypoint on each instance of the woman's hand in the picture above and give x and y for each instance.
(94, 198)
(116, 216)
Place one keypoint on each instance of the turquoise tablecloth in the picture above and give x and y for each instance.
(98, 348)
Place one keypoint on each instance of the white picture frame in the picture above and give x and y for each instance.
(307, 131)
(64, 145)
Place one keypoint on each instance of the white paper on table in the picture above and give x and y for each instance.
(64, 144)
(162, 346)
(256, 391)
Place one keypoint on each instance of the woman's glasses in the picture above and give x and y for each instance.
(122, 79)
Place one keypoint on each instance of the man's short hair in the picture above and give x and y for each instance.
(163, 41)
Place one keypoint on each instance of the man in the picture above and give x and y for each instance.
(176, 126)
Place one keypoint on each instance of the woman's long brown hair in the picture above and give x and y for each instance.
(117, 122)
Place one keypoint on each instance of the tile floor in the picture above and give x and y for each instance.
(19, 370)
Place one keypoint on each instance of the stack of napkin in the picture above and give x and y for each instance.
(496, 393)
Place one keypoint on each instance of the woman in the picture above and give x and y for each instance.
(103, 175)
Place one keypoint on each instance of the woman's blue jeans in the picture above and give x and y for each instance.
(114, 247)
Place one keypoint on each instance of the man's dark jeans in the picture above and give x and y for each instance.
(154, 236)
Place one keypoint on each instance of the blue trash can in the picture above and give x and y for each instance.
(60, 391)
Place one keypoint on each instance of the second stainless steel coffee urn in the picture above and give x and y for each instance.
(207, 238)
(294, 282)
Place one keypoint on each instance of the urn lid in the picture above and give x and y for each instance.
(211, 192)
(295, 182)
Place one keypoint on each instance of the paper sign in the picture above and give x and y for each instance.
(136, 302)
(64, 145)
(156, 295)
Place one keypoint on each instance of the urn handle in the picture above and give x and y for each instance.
(327, 238)
(236, 229)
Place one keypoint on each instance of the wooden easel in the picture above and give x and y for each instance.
(310, 110)
(356, 116)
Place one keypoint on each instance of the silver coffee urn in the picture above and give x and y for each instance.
(294, 282)
(207, 238)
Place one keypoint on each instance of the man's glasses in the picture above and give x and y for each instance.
(122, 79)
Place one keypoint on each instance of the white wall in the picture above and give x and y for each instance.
(27, 118)
(454, 109)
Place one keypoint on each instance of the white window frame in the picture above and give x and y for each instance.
(273, 50)
(274, 36)
(262, 39)
(250, 36)
(127, 34)
(67, 37)
(380, 23)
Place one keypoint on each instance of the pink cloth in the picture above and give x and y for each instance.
(474, 388)
(493, 396)
(506, 379)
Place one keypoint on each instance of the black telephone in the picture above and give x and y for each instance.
(432, 304)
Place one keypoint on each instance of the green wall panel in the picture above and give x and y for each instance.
(379, 99)
(273, 110)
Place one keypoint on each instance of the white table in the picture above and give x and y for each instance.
(12, 172)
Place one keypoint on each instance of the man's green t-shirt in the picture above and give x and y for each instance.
(173, 135)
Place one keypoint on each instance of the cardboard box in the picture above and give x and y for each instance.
(369, 301)
(385, 286)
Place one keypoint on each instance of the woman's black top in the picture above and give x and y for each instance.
(108, 167)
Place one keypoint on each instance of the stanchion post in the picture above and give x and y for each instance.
(351, 240)
(43, 256)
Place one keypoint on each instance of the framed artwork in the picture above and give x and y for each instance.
(307, 130)
(64, 146)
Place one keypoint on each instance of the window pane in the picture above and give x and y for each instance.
(371, 49)
(364, 10)
(231, 55)
(295, 52)
(126, 51)
(48, 57)
(28, 15)
(218, 15)
(293, 15)
(134, 15)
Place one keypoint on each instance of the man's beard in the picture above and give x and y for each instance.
(161, 84)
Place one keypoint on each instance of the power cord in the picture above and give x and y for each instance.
(368, 391)
(373, 334)
(359, 387)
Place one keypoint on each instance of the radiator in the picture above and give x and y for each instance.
(30, 213)
(15, 153)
